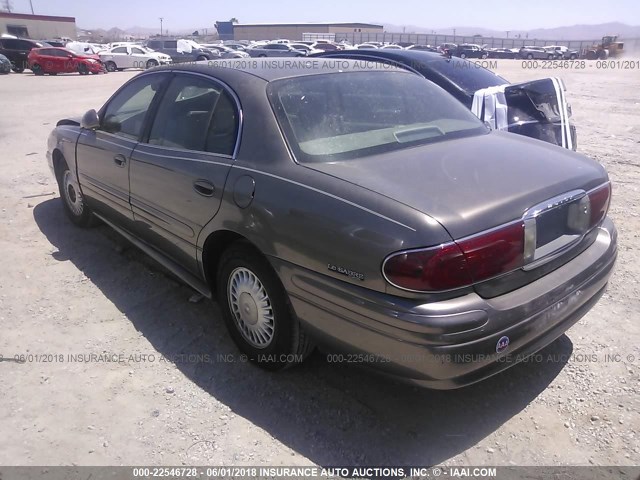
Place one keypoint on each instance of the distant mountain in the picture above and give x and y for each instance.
(574, 32)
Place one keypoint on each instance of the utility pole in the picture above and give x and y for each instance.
(31, 3)
(161, 19)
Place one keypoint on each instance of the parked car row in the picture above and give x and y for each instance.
(381, 218)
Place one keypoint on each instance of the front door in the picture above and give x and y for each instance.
(104, 154)
(178, 173)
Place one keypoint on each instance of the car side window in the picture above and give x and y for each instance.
(137, 50)
(125, 114)
(195, 114)
(119, 50)
(223, 132)
(185, 112)
(171, 44)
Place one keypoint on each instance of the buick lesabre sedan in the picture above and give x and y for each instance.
(360, 209)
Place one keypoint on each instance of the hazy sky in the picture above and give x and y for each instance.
(497, 14)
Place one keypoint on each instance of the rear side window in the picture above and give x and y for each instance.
(196, 114)
(171, 44)
(119, 50)
(126, 112)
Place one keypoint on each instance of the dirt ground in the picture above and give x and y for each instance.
(67, 293)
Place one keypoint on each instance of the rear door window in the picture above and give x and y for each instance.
(196, 114)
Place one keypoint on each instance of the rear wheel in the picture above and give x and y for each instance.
(484, 56)
(201, 58)
(151, 63)
(257, 311)
(17, 67)
(530, 57)
(550, 57)
(573, 56)
(37, 69)
(53, 74)
(463, 55)
(111, 66)
(72, 199)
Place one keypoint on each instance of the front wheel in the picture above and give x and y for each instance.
(463, 55)
(72, 199)
(530, 56)
(110, 66)
(37, 70)
(484, 56)
(151, 63)
(82, 69)
(256, 310)
(201, 58)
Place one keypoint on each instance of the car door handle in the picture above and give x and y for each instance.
(120, 160)
(204, 188)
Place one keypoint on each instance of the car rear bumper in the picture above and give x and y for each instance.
(451, 343)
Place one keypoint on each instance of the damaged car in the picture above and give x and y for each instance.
(537, 109)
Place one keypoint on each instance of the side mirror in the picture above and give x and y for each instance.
(90, 120)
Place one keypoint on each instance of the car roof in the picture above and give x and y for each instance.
(459, 77)
(271, 69)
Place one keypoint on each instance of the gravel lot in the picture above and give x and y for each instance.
(66, 291)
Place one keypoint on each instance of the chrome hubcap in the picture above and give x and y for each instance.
(72, 194)
(251, 307)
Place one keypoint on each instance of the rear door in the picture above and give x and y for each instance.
(138, 57)
(60, 60)
(103, 154)
(178, 173)
(121, 57)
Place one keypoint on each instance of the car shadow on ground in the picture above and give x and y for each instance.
(332, 414)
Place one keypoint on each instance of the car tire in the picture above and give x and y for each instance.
(463, 55)
(530, 56)
(484, 56)
(550, 57)
(111, 66)
(82, 69)
(201, 58)
(37, 69)
(151, 63)
(573, 56)
(53, 74)
(17, 68)
(262, 55)
(257, 311)
(72, 199)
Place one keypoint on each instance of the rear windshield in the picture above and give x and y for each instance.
(340, 116)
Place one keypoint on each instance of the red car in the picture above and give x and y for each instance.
(53, 60)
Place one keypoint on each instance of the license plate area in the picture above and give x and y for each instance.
(555, 226)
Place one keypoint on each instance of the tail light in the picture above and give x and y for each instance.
(599, 203)
(458, 264)
(485, 255)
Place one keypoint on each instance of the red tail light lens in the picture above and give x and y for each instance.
(494, 253)
(599, 199)
(431, 269)
(459, 264)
